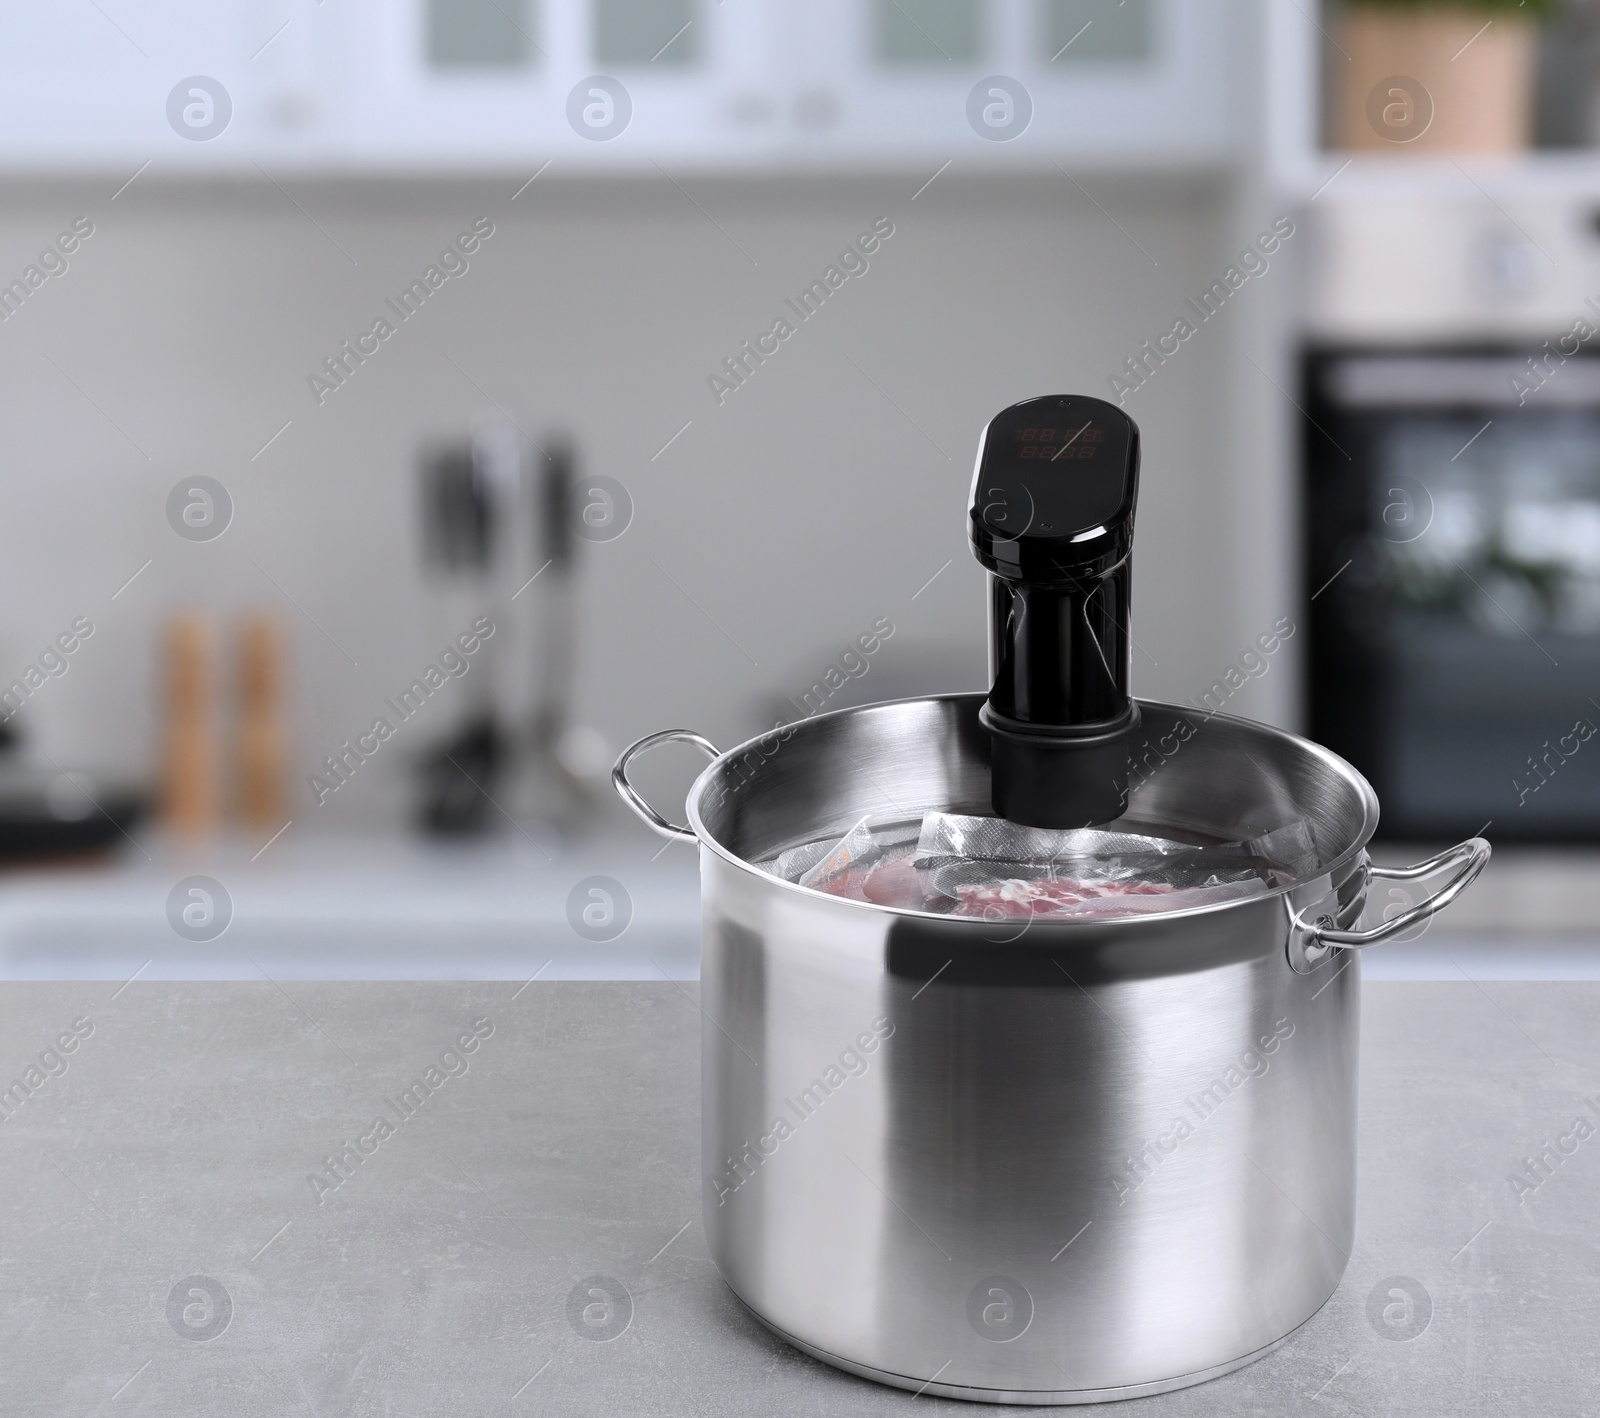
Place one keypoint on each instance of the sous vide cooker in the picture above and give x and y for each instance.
(1051, 521)
(1085, 1146)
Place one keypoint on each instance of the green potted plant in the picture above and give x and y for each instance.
(1441, 75)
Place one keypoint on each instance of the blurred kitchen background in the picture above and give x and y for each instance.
(403, 361)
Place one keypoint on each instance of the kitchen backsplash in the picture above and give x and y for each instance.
(175, 345)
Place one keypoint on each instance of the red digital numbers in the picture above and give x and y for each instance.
(1057, 455)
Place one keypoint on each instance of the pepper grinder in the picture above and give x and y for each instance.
(189, 753)
(260, 746)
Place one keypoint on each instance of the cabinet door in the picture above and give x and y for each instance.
(103, 86)
(592, 82)
(1022, 80)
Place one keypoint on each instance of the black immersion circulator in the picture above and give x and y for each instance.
(1052, 521)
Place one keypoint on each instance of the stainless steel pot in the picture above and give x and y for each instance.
(1030, 1162)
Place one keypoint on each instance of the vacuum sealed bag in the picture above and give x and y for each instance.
(993, 869)
(873, 863)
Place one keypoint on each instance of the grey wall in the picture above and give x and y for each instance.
(815, 500)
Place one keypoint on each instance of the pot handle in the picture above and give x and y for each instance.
(1467, 858)
(630, 795)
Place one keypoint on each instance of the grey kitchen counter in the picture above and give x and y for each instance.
(173, 1240)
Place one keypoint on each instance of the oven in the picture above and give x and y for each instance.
(1452, 572)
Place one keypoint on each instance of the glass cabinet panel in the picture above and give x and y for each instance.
(929, 31)
(481, 34)
(659, 32)
(1078, 31)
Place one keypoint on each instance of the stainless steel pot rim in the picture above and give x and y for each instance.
(1333, 869)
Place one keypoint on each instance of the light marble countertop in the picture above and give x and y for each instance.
(166, 1253)
(351, 908)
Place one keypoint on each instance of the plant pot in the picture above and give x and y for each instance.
(1433, 79)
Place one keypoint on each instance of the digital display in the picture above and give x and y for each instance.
(1054, 468)
(1082, 433)
(1059, 445)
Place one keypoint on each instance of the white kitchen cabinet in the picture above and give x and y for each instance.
(447, 85)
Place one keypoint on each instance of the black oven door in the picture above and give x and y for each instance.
(1452, 521)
